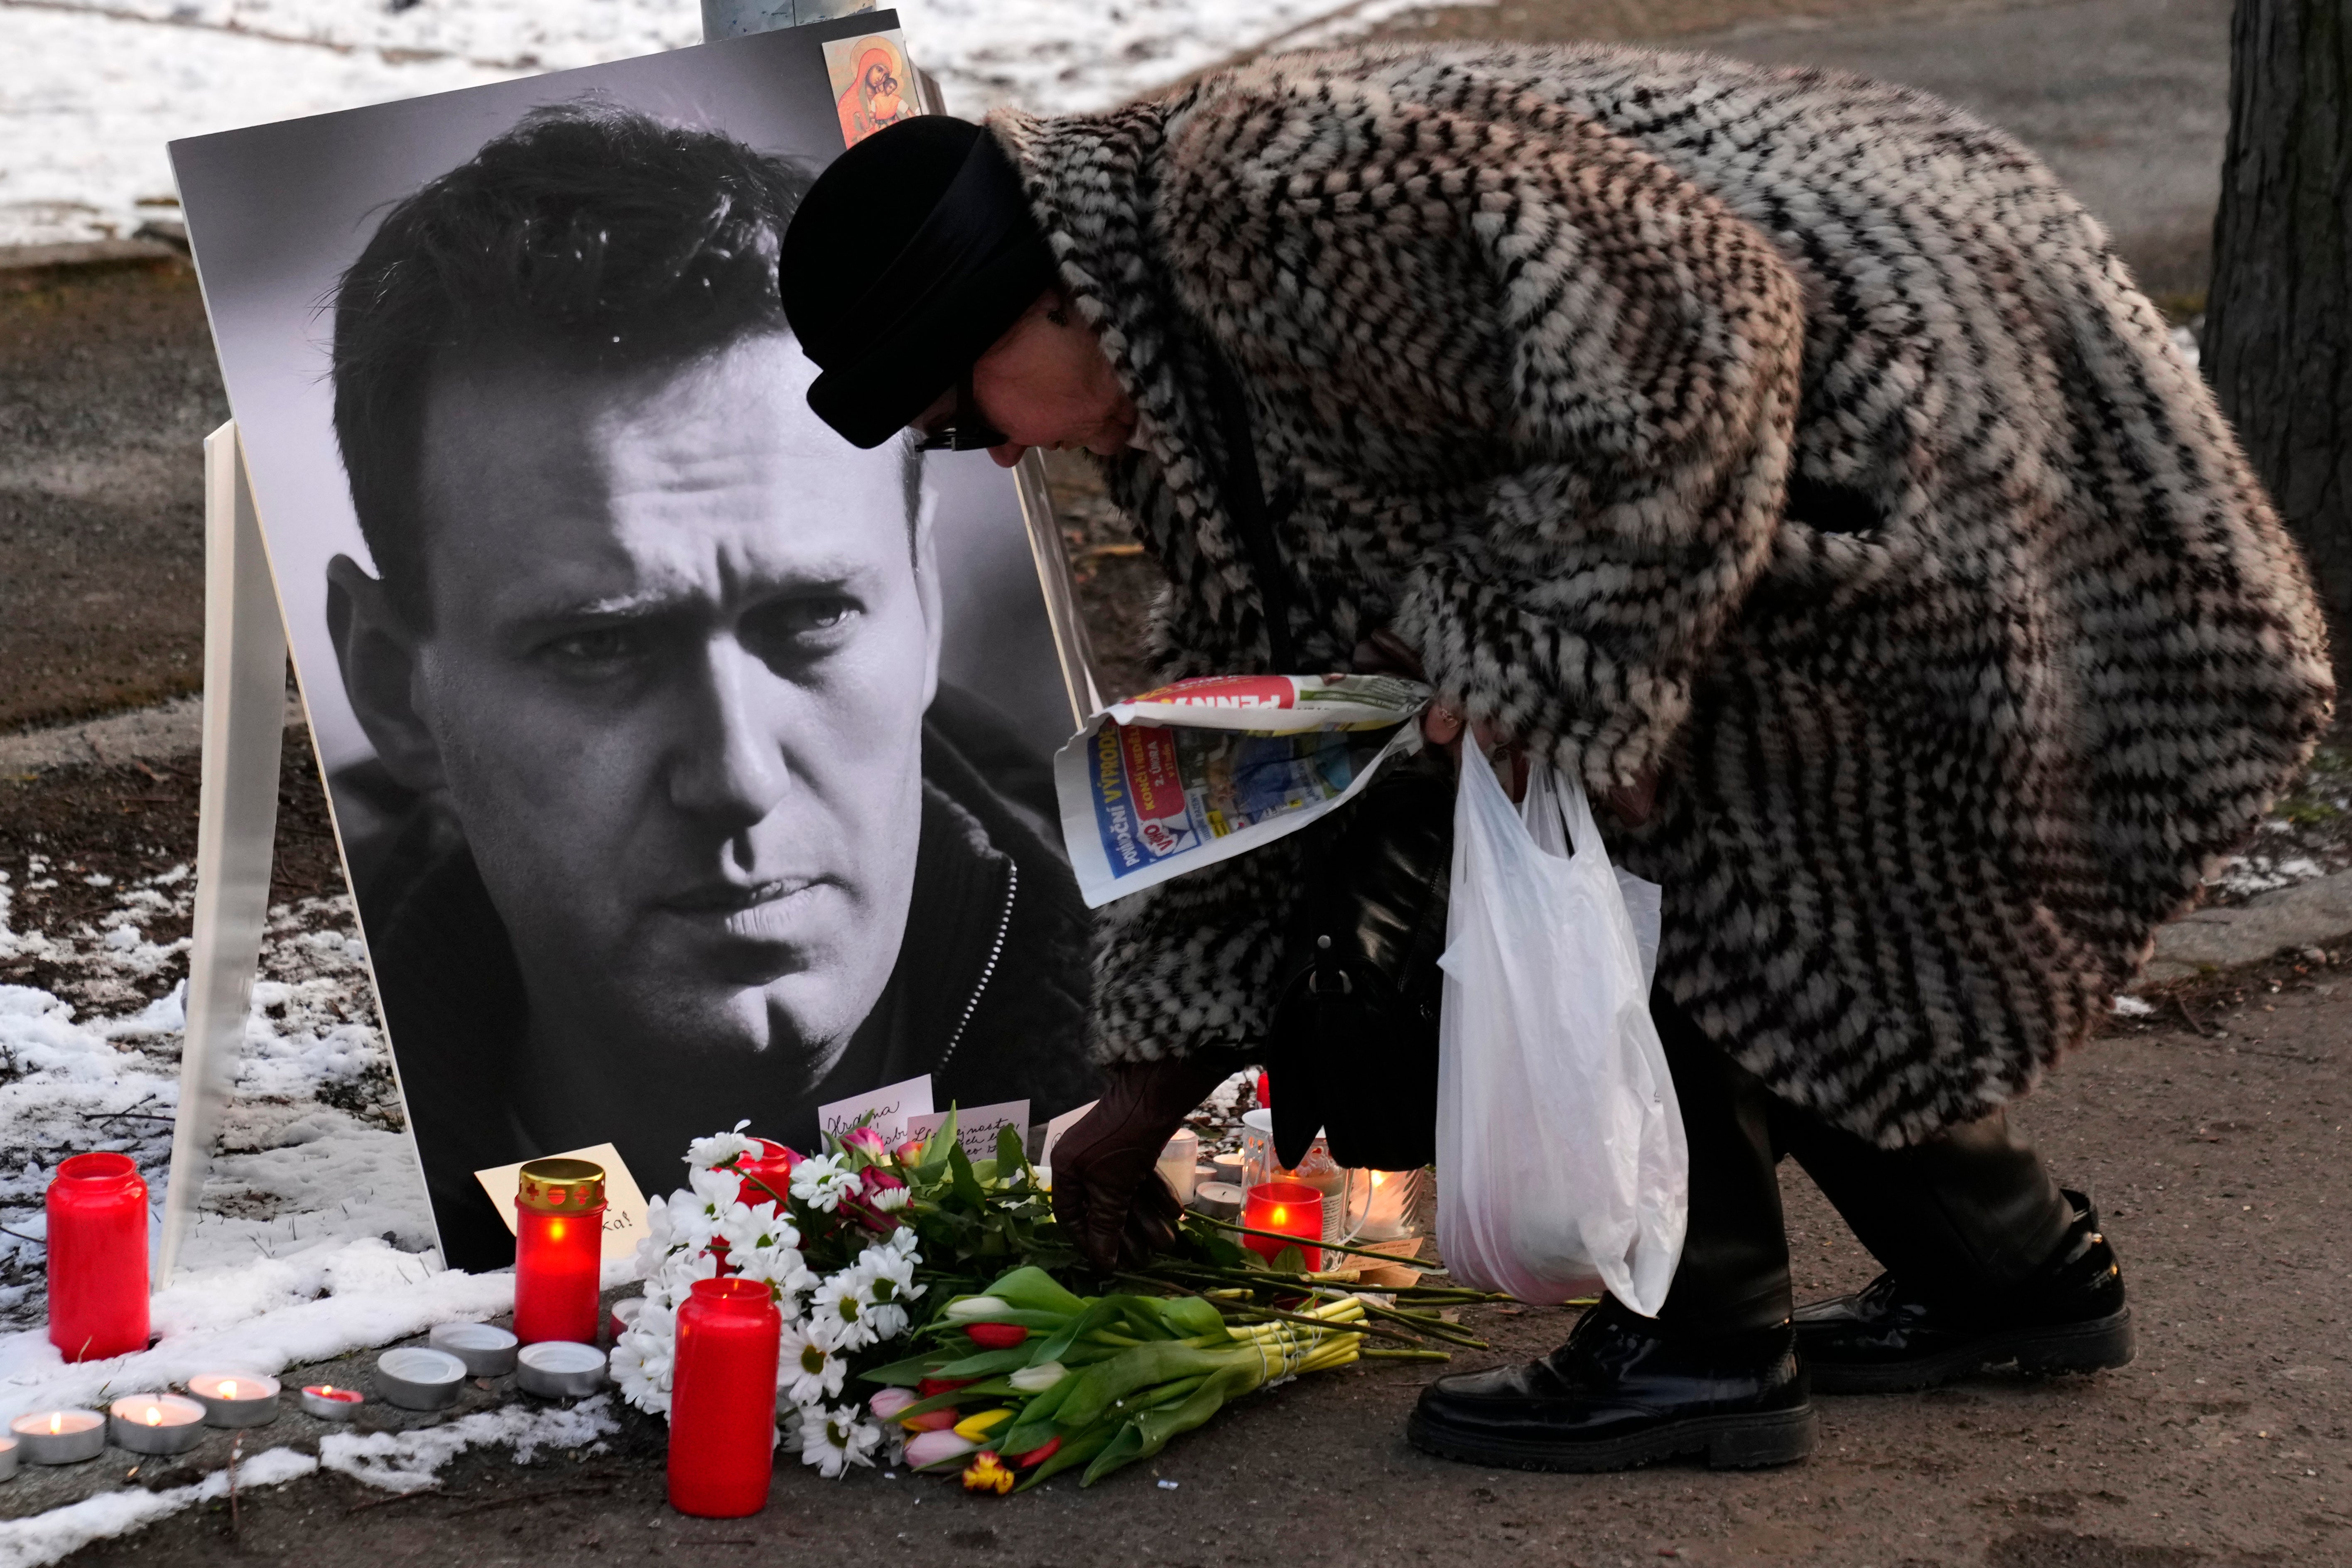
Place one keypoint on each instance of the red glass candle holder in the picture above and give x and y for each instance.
(559, 1250)
(1291, 1209)
(723, 1402)
(767, 1175)
(97, 1257)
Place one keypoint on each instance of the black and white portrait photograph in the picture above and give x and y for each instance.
(688, 762)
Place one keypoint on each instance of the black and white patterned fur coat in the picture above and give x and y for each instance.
(1793, 436)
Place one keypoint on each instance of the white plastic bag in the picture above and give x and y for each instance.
(1561, 1163)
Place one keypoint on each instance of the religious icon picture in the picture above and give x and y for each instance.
(873, 85)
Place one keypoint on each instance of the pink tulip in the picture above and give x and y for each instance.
(937, 1448)
(873, 1181)
(867, 1142)
(891, 1401)
(910, 1152)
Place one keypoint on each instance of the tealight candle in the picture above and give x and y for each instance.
(155, 1422)
(7, 1459)
(415, 1378)
(559, 1250)
(487, 1350)
(624, 1315)
(560, 1369)
(328, 1403)
(59, 1436)
(1292, 1210)
(236, 1398)
(1176, 1163)
(1219, 1200)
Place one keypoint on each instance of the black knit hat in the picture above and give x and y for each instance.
(912, 255)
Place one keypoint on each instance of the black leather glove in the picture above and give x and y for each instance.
(1107, 1190)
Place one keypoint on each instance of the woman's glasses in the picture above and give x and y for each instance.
(965, 429)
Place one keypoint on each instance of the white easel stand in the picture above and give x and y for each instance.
(237, 825)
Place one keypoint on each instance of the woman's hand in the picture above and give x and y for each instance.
(1384, 653)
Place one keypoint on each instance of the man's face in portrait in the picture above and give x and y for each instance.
(680, 644)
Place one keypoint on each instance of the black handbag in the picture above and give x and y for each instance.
(1351, 1046)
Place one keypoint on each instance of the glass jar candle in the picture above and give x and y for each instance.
(559, 1250)
(767, 1175)
(722, 1403)
(1292, 1212)
(97, 1257)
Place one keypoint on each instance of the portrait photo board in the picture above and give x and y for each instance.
(277, 215)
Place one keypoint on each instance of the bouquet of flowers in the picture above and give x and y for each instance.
(1027, 1376)
(869, 1249)
(827, 1241)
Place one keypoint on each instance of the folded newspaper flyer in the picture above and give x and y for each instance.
(1193, 773)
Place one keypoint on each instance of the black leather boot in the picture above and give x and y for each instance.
(1716, 1373)
(2068, 1316)
(1624, 1392)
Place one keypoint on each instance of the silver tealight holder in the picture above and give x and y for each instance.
(154, 1423)
(416, 1378)
(59, 1436)
(236, 1398)
(559, 1369)
(487, 1350)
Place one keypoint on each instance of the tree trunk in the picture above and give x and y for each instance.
(2278, 333)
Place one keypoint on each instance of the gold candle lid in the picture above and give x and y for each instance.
(560, 1187)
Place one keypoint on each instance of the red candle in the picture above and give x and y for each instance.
(1288, 1209)
(723, 1402)
(559, 1250)
(767, 1175)
(97, 1257)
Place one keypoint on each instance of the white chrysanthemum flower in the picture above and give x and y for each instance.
(660, 1229)
(643, 1361)
(721, 1190)
(889, 1284)
(840, 1305)
(747, 1227)
(722, 1147)
(902, 1242)
(671, 1284)
(822, 1181)
(782, 1267)
(833, 1439)
(808, 1370)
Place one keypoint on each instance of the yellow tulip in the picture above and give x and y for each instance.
(975, 1427)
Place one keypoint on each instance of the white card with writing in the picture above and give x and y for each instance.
(892, 1104)
(976, 1129)
(1059, 1125)
(624, 1205)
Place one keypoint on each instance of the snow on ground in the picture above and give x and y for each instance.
(314, 1147)
(94, 88)
(44, 1538)
(406, 1461)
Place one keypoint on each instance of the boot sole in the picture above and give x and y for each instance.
(1730, 1443)
(2099, 1345)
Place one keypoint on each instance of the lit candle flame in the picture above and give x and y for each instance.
(154, 1417)
(56, 1423)
(228, 1388)
(1281, 1214)
(555, 1230)
(1379, 1178)
(327, 1388)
